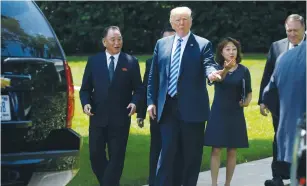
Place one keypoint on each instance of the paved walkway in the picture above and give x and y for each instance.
(253, 173)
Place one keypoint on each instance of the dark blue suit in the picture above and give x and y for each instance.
(110, 123)
(277, 48)
(155, 137)
(289, 82)
(182, 118)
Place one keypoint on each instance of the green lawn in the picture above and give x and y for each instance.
(135, 173)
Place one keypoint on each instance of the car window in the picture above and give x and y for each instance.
(25, 32)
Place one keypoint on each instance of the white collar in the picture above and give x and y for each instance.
(184, 39)
(116, 56)
(292, 46)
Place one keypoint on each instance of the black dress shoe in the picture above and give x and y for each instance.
(274, 182)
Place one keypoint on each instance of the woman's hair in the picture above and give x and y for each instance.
(219, 57)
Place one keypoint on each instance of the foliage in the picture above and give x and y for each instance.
(79, 24)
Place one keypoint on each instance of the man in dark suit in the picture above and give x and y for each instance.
(111, 88)
(291, 89)
(295, 27)
(178, 98)
(155, 136)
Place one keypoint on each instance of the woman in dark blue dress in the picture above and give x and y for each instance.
(226, 126)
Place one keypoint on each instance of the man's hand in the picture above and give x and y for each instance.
(87, 110)
(243, 104)
(140, 122)
(151, 109)
(215, 76)
(132, 108)
(263, 109)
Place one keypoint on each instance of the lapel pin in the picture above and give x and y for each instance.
(124, 69)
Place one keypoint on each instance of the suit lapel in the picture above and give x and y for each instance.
(187, 50)
(285, 46)
(104, 68)
(168, 48)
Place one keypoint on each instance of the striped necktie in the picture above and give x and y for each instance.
(172, 84)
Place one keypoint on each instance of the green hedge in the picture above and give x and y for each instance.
(79, 25)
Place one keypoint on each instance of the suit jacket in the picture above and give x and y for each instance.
(289, 81)
(110, 99)
(143, 103)
(197, 62)
(276, 49)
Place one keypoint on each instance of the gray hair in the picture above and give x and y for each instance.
(179, 10)
(295, 17)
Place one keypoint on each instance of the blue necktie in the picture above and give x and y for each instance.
(111, 68)
(172, 84)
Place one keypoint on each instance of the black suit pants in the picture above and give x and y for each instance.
(279, 168)
(108, 170)
(176, 134)
(155, 149)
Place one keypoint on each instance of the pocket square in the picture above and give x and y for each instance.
(124, 69)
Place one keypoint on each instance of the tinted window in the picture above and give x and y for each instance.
(25, 32)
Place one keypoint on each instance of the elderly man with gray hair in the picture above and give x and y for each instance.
(295, 27)
(177, 96)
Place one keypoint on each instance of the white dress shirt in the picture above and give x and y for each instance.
(109, 59)
(292, 46)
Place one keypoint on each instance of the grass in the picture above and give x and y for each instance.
(135, 172)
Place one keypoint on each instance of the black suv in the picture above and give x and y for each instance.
(38, 146)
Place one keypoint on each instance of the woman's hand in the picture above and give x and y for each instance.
(229, 64)
(247, 100)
